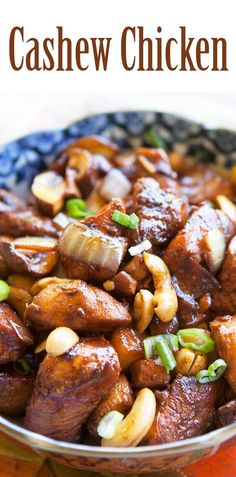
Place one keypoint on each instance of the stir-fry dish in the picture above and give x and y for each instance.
(118, 295)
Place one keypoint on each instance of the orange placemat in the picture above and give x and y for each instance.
(16, 461)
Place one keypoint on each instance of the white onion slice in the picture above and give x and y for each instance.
(141, 247)
(41, 244)
(109, 423)
(115, 185)
(60, 340)
(61, 219)
(91, 246)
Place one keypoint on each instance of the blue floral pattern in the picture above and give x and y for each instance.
(22, 159)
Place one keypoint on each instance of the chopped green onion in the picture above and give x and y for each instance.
(152, 138)
(150, 344)
(108, 424)
(166, 355)
(4, 290)
(196, 339)
(22, 366)
(76, 209)
(129, 221)
(213, 373)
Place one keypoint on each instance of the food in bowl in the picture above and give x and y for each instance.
(118, 297)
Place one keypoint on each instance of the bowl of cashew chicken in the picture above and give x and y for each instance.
(118, 292)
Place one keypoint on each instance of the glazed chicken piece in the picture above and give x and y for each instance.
(19, 223)
(224, 333)
(145, 373)
(224, 302)
(161, 214)
(186, 411)
(187, 259)
(14, 335)
(16, 391)
(120, 399)
(77, 305)
(69, 387)
(226, 414)
(94, 248)
(203, 183)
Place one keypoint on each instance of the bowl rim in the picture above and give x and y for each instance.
(42, 443)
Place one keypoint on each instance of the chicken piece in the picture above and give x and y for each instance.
(124, 284)
(224, 333)
(224, 301)
(145, 373)
(19, 223)
(187, 411)
(16, 391)
(94, 248)
(128, 344)
(226, 414)
(158, 327)
(77, 305)
(14, 335)
(9, 202)
(70, 386)
(161, 214)
(203, 183)
(185, 258)
(120, 399)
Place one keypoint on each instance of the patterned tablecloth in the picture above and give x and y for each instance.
(16, 461)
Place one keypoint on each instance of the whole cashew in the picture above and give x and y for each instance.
(137, 423)
(165, 296)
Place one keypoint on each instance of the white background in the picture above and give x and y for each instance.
(38, 100)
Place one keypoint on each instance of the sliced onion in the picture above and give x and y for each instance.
(61, 340)
(109, 423)
(41, 244)
(115, 185)
(90, 246)
(141, 247)
(62, 220)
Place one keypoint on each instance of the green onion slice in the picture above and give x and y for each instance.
(76, 209)
(4, 290)
(213, 373)
(165, 354)
(196, 339)
(153, 139)
(22, 366)
(150, 344)
(129, 221)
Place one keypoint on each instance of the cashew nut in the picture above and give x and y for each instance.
(137, 423)
(44, 282)
(227, 206)
(165, 296)
(189, 362)
(143, 309)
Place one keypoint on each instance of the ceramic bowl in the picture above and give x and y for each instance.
(25, 157)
